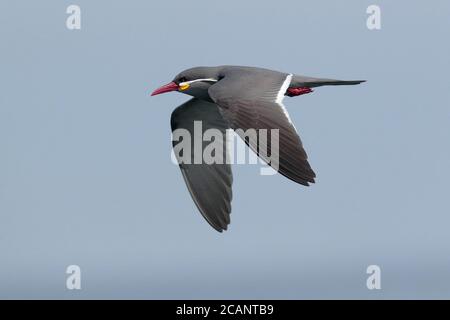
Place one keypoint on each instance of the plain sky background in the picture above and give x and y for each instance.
(86, 176)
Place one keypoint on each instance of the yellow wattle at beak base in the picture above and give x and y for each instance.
(183, 86)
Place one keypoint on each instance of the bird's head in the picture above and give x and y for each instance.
(194, 81)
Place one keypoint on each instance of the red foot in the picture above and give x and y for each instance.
(292, 92)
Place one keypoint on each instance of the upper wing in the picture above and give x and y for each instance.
(255, 101)
(208, 184)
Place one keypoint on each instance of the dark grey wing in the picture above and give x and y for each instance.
(208, 184)
(309, 82)
(247, 102)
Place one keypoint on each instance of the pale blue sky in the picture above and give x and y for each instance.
(86, 176)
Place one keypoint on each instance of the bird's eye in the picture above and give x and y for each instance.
(182, 79)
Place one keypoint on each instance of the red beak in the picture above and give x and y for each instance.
(166, 88)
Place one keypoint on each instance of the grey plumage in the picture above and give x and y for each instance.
(252, 105)
(208, 184)
(302, 81)
(239, 98)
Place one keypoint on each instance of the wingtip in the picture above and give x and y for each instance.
(220, 229)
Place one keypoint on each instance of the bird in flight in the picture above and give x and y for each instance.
(243, 98)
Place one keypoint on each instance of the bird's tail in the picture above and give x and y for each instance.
(301, 81)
